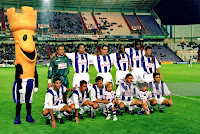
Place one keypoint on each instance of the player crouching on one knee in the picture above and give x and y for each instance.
(54, 102)
(159, 89)
(110, 96)
(126, 92)
(144, 96)
(97, 97)
(80, 98)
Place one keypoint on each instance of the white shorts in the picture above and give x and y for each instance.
(102, 106)
(160, 100)
(137, 73)
(127, 103)
(79, 77)
(145, 77)
(56, 108)
(107, 77)
(27, 95)
(70, 101)
(110, 105)
(120, 76)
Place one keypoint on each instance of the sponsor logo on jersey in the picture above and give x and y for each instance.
(62, 65)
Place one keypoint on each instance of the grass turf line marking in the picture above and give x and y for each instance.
(186, 97)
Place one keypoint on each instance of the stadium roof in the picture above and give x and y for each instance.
(92, 4)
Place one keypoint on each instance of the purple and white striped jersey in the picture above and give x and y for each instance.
(149, 66)
(135, 56)
(102, 63)
(80, 62)
(123, 63)
(110, 96)
(126, 91)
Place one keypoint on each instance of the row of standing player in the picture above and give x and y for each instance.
(142, 65)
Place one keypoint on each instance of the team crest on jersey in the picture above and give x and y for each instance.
(138, 57)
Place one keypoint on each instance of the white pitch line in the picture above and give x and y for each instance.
(186, 97)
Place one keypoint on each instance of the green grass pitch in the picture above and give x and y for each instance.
(182, 117)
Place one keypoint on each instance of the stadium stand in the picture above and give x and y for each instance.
(132, 21)
(7, 52)
(163, 53)
(112, 23)
(67, 23)
(150, 24)
(184, 51)
(89, 22)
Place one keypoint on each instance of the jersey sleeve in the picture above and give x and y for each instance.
(90, 59)
(119, 91)
(50, 71)
(67, 69)
(49, 101)
(70, 55)
(157, 64)
(114, 94)
(127, 50)
(75, 100)
(136, 91)
(105, 95)
(113, 57)
(93, 95)
(166, 90)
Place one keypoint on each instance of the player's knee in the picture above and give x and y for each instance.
(168, 104)
(121, 105)
(153, 102)
(147, 112)
(139, 103)
(112, 108)
(45, 112)
(69, 110)
(95, 106)
(90, 103)
(72, 106)
(145, 107)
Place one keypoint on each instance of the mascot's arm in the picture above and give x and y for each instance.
(19, 71)
(36, 78)
(36, 81)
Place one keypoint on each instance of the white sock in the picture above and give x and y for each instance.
(84, 109)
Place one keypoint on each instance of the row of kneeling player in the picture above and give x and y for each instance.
(101, 97)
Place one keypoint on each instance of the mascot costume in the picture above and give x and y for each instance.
(23, 26)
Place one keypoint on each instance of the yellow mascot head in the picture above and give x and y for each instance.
(23, 26)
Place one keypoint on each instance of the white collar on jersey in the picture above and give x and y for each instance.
(60, 56)
(80, 54)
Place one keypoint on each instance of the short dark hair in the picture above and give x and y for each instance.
(148, 47)
(98, 78)
(104, 46)
(128, 75)
(60, 46)
(145, 84)
(56, 79)
(81, 44)
(82, 82)
(154, 75)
